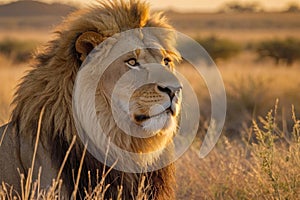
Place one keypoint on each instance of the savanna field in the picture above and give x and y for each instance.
(258, 55)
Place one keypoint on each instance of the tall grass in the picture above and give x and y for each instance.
(31, 189)
(263, 165)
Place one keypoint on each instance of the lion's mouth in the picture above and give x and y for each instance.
(142, 118)
(158, 112)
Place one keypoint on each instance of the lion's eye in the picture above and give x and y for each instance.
(167, 61)
(132, 62)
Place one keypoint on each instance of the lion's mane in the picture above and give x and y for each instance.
(50, 83)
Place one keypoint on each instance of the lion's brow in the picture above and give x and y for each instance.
(137, 52)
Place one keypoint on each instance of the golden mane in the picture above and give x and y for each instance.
(50, 84)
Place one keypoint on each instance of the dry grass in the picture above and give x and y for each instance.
(9, 76)
(264, 165)
(30, 188)
(39, 36)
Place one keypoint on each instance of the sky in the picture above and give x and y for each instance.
(194, 5)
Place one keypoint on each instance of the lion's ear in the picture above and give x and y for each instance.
(86, 42)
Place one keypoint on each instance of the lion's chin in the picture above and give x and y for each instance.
(163, 123)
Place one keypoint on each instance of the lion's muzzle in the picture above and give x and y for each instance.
(156, 102)
(174, 94)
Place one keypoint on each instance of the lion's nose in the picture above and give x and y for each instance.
(171, 91)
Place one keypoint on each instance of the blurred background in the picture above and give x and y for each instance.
(256, 46)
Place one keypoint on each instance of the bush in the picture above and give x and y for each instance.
(219, 49)
(18, 51)
(277, 154)
(237, 7)
(293, 8)
(287, 50)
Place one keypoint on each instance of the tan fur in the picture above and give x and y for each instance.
(50, 84)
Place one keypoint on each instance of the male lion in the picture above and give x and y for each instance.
(50, 84)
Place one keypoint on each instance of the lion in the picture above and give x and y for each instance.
(49, 86)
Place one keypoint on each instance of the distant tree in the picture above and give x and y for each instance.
(293, 7)
(219, 49)
(287, 50)
(17, 51)
(238, 7)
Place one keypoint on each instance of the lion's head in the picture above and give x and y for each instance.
(134, 91)
(150, 111)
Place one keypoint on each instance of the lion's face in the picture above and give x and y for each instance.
(151, 108)
(138, 96)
